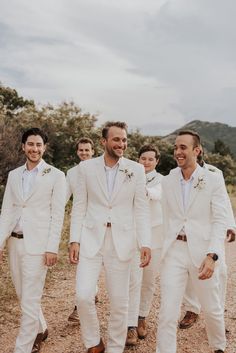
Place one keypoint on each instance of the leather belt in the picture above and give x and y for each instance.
(181, 237)
(16, 235)
(108, 224)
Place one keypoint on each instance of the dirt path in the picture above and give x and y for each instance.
(58, 301)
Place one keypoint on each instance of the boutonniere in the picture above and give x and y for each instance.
(200, 183)
(128, 173)
(46, 171)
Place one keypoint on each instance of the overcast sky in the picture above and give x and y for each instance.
(156, 64)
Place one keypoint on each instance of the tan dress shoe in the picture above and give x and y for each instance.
(100, 348)
(132, 337)
(38, 341)
(142, 329)
(189, 320)
(74, 316)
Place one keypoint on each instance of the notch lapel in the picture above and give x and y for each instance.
(177, 187)
(101, 175)
(20, 181)
(120, 177)
(194, 189)
(38, 179)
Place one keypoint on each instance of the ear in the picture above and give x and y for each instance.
(23, 146)
(103, 141)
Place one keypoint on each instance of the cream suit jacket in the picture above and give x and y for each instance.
(41, 213)
(204, 220)
(231, 220)
(71, 181)
(126, 209)
(154, 194)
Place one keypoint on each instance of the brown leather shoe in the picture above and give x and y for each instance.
(189, 319)
(141, 329)
(38, 341)
(219, 351)
(100, 348)
(74, 316)
(132, 337)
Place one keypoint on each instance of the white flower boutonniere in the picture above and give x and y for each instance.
(200, 183)
(128, 173)
(46, 171)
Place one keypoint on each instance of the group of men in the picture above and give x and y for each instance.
(129, 219)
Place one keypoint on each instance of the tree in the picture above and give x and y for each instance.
(221, 148)
(11, 102)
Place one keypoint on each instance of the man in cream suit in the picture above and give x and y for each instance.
(31, 223)
(143, 281)
(194, 215)
(84, 150)
(191, 303)
(109, 203)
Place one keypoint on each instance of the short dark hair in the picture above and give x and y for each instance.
(34, 131)
(84, 140)
(149, 148)
(106, 127)
(200, 157)
(194, 134)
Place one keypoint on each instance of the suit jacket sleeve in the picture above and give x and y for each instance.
(219, 216)
(58, 200)
(79, 206)
(68, 187)
(6, 212)
(142, 213)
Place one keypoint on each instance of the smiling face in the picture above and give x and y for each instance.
(85, 151)
(186, 152)
(149, 161)
(115, 143)
(34, 149)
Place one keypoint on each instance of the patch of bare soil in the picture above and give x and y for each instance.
(64, 337)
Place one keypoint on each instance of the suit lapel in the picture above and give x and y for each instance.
(38, 179)
(177, 188)
(195, 188)
(20, 181)
(120, 177)
(101, 175)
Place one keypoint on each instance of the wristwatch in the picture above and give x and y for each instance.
(213, 256)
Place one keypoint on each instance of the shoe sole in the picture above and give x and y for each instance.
(142, 337)
(187, 326)
(74, 321)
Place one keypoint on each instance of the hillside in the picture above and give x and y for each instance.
(210, 132)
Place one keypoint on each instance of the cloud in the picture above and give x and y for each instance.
(151, 63)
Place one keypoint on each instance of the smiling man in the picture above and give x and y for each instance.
(109, 203)
(84, 150)
(143, 281)
(31, 223)
(194, 216)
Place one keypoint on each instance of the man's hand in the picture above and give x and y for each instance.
(230, 235)
(50, 259)
(145, 256)
(74, 253)
(207, 268)
(1, 255)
